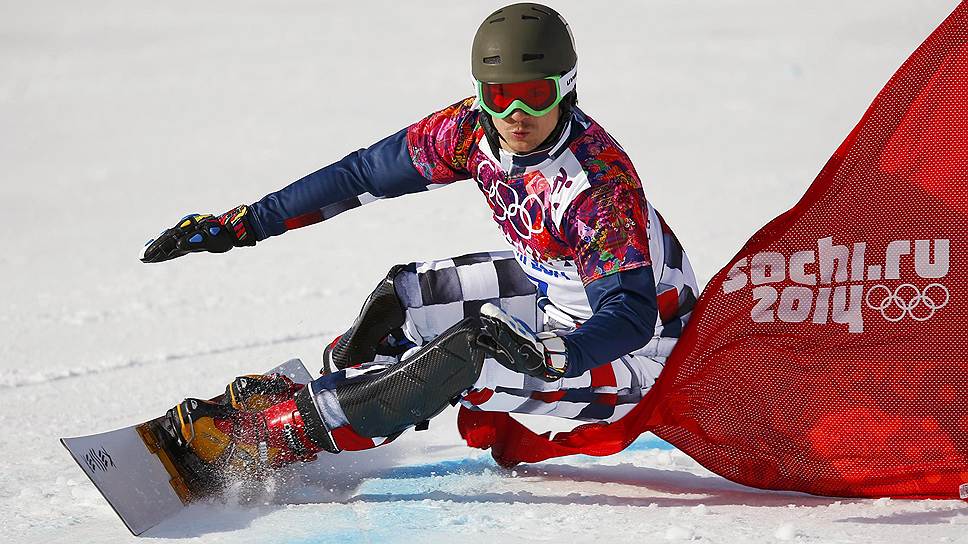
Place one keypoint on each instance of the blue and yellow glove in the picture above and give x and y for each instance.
(198, 232)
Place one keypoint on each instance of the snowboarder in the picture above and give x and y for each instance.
(575, 321)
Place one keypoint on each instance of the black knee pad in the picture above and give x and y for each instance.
(382, 314)
(417, 388)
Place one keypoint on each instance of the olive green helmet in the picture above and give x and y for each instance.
(522, 42)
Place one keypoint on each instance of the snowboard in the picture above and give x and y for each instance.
(139, 472)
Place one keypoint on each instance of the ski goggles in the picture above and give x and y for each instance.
(536, 97)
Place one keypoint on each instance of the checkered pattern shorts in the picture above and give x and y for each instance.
(437, 294)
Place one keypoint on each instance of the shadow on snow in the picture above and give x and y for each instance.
(672, 488)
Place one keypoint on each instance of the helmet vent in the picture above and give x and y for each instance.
(496, 59)
(530, 18)
(531, 56)
(498, 20)
(539, 10)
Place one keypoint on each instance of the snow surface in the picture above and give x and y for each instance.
(120, 116)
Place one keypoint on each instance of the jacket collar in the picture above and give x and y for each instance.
(572, 126)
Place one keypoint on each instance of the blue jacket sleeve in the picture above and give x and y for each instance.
(625, 313)
(384, 169)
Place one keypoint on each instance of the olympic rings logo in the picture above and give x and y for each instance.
(517, 213)
(508, 209)
(906, 299)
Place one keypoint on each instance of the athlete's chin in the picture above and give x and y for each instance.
(518, 145)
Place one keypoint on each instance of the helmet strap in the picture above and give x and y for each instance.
(491, 134)
(565, 106)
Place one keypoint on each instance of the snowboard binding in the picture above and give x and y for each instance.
(259, 391)
(260, 424)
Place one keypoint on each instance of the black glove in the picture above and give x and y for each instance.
(511, 343)
(197, 232)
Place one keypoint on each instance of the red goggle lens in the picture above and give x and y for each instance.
(538, 94)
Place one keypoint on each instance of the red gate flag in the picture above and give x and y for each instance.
(831, 354)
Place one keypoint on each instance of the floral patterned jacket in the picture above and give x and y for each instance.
(575, 215)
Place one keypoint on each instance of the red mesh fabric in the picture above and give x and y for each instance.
(830, 355)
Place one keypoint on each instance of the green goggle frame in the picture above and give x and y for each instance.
(514, 96)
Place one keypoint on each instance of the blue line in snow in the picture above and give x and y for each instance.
(412, 480)
(649, 441)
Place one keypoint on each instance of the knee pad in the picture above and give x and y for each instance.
(382, 314)
(417, 388)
